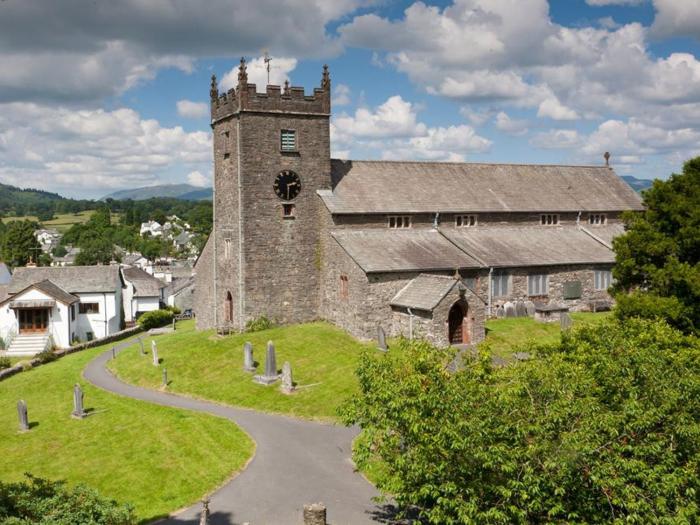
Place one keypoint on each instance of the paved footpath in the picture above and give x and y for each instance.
(296, 462)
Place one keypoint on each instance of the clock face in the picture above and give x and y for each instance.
(287, 185)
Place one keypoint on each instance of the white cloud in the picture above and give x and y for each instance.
(599, 3)
(197, 179)
(394, 118)
(94, 150)
(476, 117)
(280, 68)
(510, 126)
(189, 109)
(552, 108)
(341, 95)
(452, 143)
(608, 22)
(557, 139)
(677, 17)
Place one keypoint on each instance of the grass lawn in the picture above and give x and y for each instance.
(62, 222)
(158, 459)
(204, 365)
(505, 336)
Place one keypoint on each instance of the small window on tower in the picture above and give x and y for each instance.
(343, 286)
(288, 140)
(288, 211)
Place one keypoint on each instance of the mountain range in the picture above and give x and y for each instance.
(185, 192)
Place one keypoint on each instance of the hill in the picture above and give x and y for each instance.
(175, 191)
(637, 184)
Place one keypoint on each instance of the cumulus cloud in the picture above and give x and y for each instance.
(557, 139)
(676, 17)
(394, 118)
(196, 178)
(189, 109)
(94, 150)
(599, 3)
(552, 108)
(280, 68)
(510, 126)
(341, 95)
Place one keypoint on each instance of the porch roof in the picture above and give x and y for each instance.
(424, 292)
(33, 303)
(47, 287)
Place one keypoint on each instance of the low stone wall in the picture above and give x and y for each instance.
(34, 362)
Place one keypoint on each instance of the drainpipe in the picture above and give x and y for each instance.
(104, 299)
(436, 220)
(410, 324)
(490, 289)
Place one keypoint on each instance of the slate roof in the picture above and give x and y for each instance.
(384, 250)
(537, 246)
(5, 274)
(178, 285)
(424, 292)
(145, 285)
(72, 279)
(56, 292)
(3, 292)
(428, 187)
(606, 233)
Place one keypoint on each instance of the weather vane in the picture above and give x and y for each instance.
(267, 59)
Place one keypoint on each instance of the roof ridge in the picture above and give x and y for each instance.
(453, 163)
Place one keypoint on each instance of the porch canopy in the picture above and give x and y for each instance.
(33, 303)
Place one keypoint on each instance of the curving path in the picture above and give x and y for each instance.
(296, 462)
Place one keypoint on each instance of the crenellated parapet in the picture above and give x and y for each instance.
(286, 99)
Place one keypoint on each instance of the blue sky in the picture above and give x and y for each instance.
(109, 96)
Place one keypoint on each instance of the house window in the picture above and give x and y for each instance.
(602, 279)
(465, 220)
(537, 285)
(549, 219)
(288, 140)
(288, 211)
(500, 285)
(89, 336)
(399, 221)
(227, 248)
(343, 286)
(89, 308)
(72, 312)
(597, 219)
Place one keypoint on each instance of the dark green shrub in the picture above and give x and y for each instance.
(258, 324)
(651, 306)
(47, 502)
(5, 362)
(46, 356)
(174, 309)
(155, 319)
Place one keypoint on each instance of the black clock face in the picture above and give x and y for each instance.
(287, 185)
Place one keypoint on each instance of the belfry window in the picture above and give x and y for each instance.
(288, 140)
(597, 219)
(462, 221)
(399, 221)
(549, 219)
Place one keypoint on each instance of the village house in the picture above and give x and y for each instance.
(57, 306)
(425, 249)
(142, 293)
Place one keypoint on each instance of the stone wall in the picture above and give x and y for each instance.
(204, 287)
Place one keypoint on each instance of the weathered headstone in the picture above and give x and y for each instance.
(173, 324)
(154, 352)
(78, 408)
(165, 377)
(530, 308)
(500, 312)
(287, 386)
(520, 310)
(315, 514)
(509, 309)
(565, 322)
(141, 346)
(381, 338)
(270, 375)
(204, 516)
(248, 361)
(22, 414)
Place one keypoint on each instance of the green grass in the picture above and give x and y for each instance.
(505, 336)
(63, 221)
(158, 459)
(204, 365)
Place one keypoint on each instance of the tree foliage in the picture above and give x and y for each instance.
(18, 244)
(659, 255)
(44, 502)
(603, 427)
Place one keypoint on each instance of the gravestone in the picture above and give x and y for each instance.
(154, 352)
(315, 514)
(565, 322)
(509, 309)
(141, 347)
(22, 414)
(248, 361)
(530, 308)
(520, 310)
(381, 338)
(270, 375)
(78, 408)
(287, 386)
(500, 312)
(204, 516)
(165, 377)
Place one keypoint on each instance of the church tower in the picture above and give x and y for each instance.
(271, 154)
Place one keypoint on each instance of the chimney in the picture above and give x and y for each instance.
(606, 156)
(31, 263)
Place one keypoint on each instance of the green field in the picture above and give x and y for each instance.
(506, 336)
(201, 364)
(159, 459)
(61, 222)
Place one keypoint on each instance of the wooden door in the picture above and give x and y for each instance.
(456, 324)
(33, 320)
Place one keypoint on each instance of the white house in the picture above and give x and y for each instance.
(142, 293)
(60, 305)
(152, 227)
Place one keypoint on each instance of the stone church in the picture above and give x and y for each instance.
(426, 249)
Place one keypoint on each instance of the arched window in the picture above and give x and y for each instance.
(229, 307)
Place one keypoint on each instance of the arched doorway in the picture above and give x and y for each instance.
(458, 332)
(229, 307)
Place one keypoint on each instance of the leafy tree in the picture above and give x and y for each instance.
(602, 427)
(44, 502)
(19, 244)
(659, 255)
(95, 250)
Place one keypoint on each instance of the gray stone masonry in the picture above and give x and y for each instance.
(154, 353)
(315, 514)
(287, 385)
(78, 408)
(271, 374)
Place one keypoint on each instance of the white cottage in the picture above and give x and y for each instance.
(142, 293)
(60, 305)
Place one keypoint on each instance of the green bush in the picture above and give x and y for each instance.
(47, 502)
(602, 427)
(155, 319)
(46, 356)
(5, 362)
(651, 306)
(258, 324)
(174, 309)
